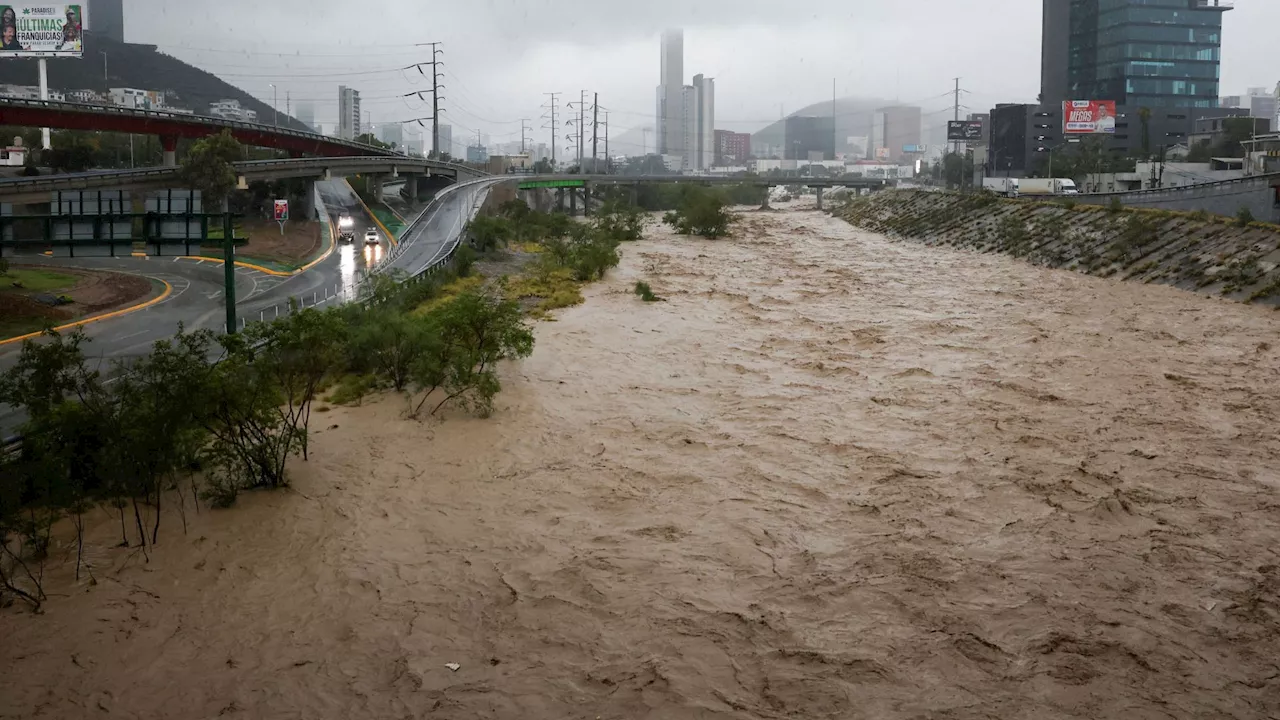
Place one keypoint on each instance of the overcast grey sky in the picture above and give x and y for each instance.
(766, 55)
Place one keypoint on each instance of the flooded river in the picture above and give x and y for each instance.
(832, 476)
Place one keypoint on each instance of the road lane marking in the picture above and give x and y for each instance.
(97, 318)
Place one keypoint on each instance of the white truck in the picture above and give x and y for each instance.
(1005, 186)
(1047, 186)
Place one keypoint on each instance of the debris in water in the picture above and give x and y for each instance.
(453, 666)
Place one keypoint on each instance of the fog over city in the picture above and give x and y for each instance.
(766, 57)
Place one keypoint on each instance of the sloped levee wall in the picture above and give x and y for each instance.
(1196, 251)
(1221, 198)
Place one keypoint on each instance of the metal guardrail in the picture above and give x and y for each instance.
(247, 167)
(192, 119)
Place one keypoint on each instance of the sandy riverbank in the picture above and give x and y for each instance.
(834, 476)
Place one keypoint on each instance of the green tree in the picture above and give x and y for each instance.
(208, 167)
(371, 139)
(488, 233)
(469, 336)
(701, 212)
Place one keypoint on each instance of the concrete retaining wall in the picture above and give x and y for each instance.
(1220, 198)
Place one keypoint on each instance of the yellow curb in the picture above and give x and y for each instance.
(391, 238)
(168, 290)
(333, 244)
(240, 263)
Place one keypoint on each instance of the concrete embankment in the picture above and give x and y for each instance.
(1195, 251)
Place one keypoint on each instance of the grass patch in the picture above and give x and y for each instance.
(36, 281)
(449, 291)
(553, 286)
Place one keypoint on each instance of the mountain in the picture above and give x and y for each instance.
(142, 67)
(853, 118)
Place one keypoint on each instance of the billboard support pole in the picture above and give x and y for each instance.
(45, 139)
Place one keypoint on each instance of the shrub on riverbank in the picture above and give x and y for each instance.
(237, 406)
(701, 212)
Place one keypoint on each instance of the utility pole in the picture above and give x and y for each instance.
(275, 105)
(835, 134)
(957, 114)
(607, 156)
(595, 131)
(582, 119)
(288, 103)
(436, 52)
(552, 108)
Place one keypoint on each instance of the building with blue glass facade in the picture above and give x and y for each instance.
(1140, 53)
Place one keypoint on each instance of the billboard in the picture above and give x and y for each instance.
(882, 153)
(33, 30)
(282, 210)
(915, 149)
(964, 130)
(1088, 117)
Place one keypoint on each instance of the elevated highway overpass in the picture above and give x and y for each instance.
(40, 189)
(171, 126)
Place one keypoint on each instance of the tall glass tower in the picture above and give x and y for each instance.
(1151, 53)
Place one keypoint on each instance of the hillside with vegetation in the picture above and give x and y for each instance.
(1236, 258)
(143, 67)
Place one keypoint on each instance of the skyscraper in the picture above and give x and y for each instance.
(1145, 53)
(106, 17)
(307, 113)
(446, 141)
(902, 125)
(348, 113)
(671, 95)
(704, 123)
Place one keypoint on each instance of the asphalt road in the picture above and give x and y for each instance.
(196, 297)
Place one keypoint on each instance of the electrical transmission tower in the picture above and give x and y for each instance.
(551, 109)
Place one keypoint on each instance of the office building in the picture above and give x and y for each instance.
(1022, 137)
(446, 141)
(1260, 102)
(307, 114)
(700, 149)
(106, 17)
(477, 154)
(670, 100)
(902, 125)
(232, 110)
(392, 134)
(348, 113)
(807, 134)
(732, 148)
(1142, 53)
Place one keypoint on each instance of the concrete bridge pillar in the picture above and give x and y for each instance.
(765, 205)
(635, 195)
(586, 198)
(411, 185)
(170, 145)
(819, 198)
(377, 187)
(307, 206)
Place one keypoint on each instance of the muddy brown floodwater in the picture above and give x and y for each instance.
(833, 476)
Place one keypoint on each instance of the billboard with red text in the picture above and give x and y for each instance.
(1088, 117)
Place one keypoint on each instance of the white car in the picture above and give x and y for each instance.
(371, 237)
(346, 228)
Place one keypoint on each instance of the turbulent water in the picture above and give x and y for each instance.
(832, 476)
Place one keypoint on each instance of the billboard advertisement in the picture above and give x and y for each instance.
(282, 210)
(964, 130)
(34, 30)
(1088, 117)
(915, 149)
(882, 153)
